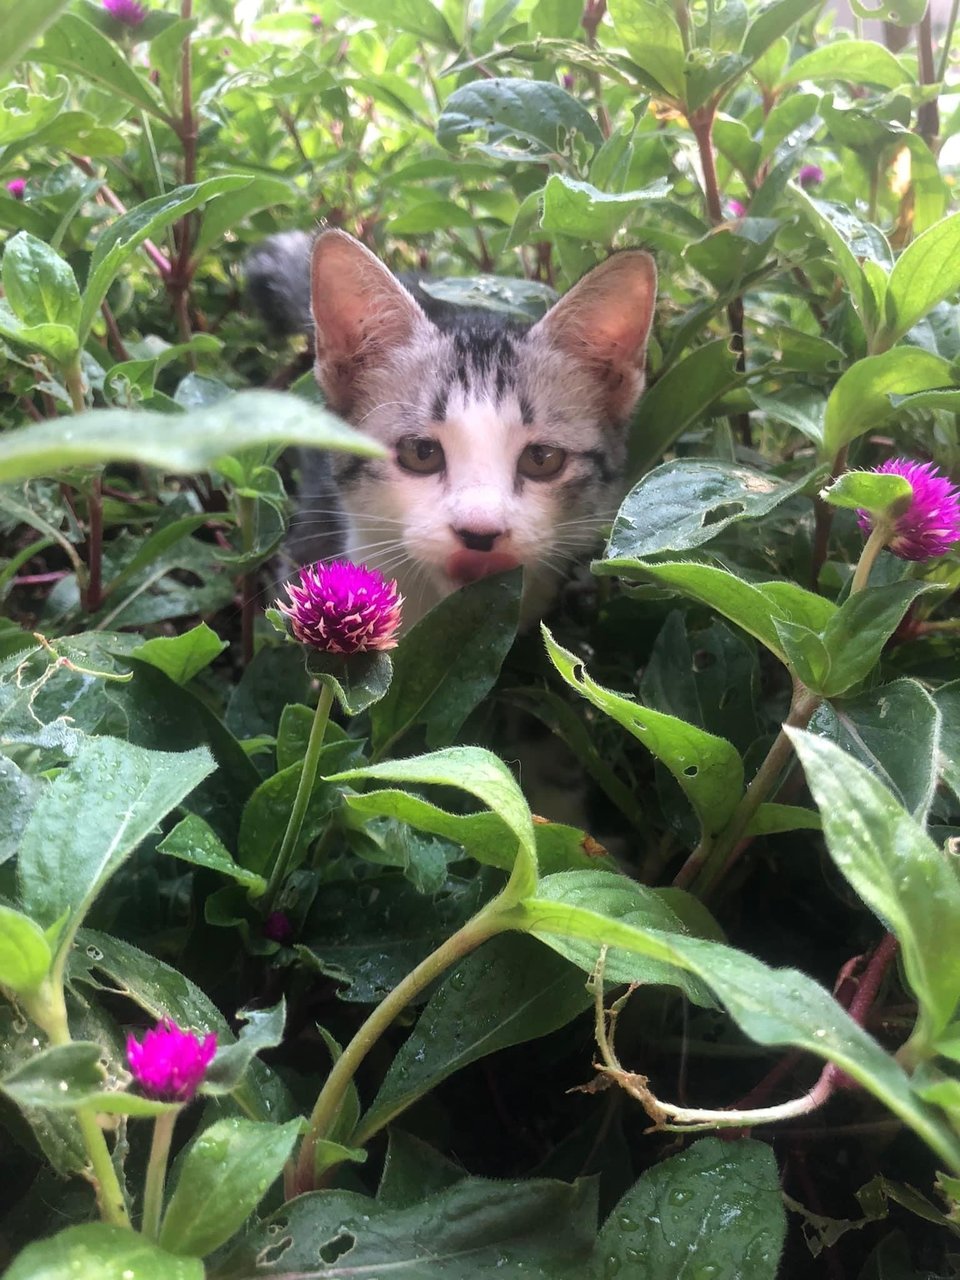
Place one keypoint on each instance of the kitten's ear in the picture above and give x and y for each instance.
(604, 322)
(360, 311)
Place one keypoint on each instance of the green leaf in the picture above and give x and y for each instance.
(708, 769)
(613, 897)
(852, 61)
(123, 237)
(685, 503)
(947, 699)
(679, 399)
(650, 34)
(265, 815)
(771, 22)
(193, 840)
(848, 241)
(224, 1175)
(90, 819)
(860, 400)
(184, 656)
(476, 771)
(771, 819)
(756, 607)
(897, 870)
(56, 340)
(532, 1227)
(538, 116)
(925, 273)
(109, 1253)
(713, 1210)
(854, 637)
(230, 209)
(22, 25)
(475, 628)
(507, 993)
(431, 215)
(40, 286)
(24, 952)
(895, 731)
(75, 45)
(179, 445)
(574, 208)
(69, 1075)
(263, 1030)
(357, 680)
(869, 490)
(419, 17)
(771, 1006)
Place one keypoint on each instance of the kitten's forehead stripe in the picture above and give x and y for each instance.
(526, 411)
(438, 409)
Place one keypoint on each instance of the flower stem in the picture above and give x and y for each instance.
(157, 1173)
(878, 539)
(302, 799)
(492, 919)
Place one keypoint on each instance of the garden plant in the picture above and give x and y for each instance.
(627, 945)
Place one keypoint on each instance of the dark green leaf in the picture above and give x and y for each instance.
(679, 399)
(475, 628)
(73, 44)
(18, 795)
(526, 118)
(684, 504)
(69, 1075)
(504, 994)
(193, 840)
(708, 768)
(713, 1210)
(574, 208)
(39, 285)
(263, 1029)
(898, 871)
(925, 274)
(92, 817)
(650, 34)
(854, 637)
(475, 1227)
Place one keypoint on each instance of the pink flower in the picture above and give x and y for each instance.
(169, 1064)
(277, 927)
(735, 209)
(130, 12)
(931, 523)
(16, 187)
(811, 175)
(343, 608)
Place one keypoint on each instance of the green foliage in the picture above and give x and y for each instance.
(700, 832)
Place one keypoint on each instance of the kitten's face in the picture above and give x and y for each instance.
(504, 447)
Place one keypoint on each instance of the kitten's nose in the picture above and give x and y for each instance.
(478, 540)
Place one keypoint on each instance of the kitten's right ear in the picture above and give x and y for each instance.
(360, 312)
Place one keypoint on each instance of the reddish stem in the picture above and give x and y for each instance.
(158, 258)
(928, 115)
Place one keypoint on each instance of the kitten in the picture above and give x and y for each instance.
(505, 444)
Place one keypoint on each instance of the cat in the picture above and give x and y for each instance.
(505, 444)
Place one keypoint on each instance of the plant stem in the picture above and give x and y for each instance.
(948, 40)
(248, 580)
(701, 122)
(157, 1173)
(308, 776)
(823, 521)
(712, 861)
(492, 919)
(928, 114)
(49, 1012)
(92, 591)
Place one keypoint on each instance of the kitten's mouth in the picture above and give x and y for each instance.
(467, 566)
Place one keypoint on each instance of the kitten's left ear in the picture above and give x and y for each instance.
(604, 322)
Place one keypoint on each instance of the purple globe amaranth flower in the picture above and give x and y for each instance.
(734, 209)
(16, 187)
(930, 525)
(169, 1064)
(811, 175)
(343, 608)
(130, 12)
(277, 927)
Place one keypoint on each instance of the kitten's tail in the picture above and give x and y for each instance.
(278, 281)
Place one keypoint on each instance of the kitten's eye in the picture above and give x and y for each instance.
(420, 454)
(541, 461)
